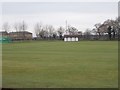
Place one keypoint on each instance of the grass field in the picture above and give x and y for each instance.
(45, 64)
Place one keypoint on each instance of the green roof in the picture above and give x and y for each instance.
(5, 40)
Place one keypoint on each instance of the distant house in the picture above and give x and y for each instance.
(4, 37)
(71, 38)
(21, 35)
(4, 34)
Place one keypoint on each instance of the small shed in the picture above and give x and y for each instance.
(71, 38)
(5, 40)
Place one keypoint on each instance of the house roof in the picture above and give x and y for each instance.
(71, 36)
(26, 32)
(3, 32)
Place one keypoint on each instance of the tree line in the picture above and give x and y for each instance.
(108, 29)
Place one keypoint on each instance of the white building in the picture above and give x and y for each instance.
(71, 38)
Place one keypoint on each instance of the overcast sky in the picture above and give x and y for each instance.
(82, 15)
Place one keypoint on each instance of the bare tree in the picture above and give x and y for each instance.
(46, 32)
(97, 28)
(51, 31)
(87, 33)
(23, 27)
(38, 28)
(42, 31)
(112, 28)
(94, 31)
(72, 30)
(6, 27)
(17, 27)
(115, 27)
(60, 31)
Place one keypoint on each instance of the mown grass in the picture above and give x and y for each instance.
(57, 64)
